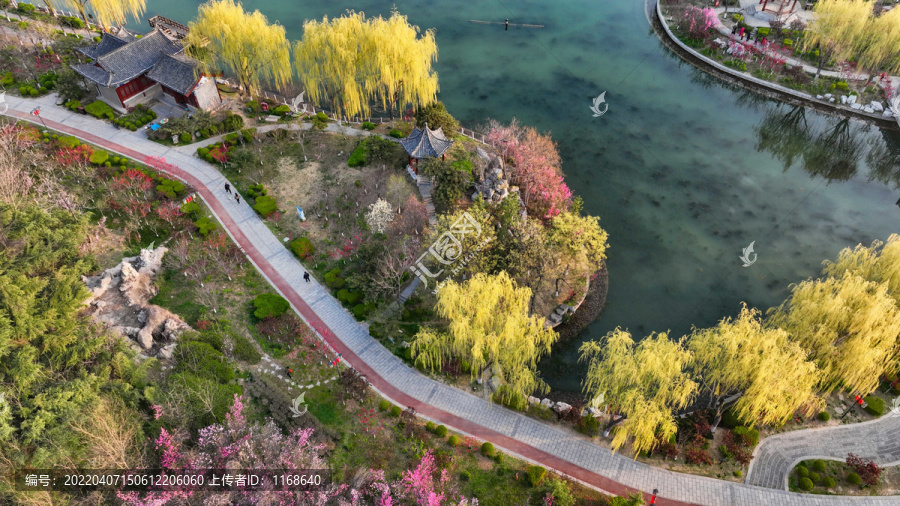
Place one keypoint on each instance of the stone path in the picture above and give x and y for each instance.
(877, 440)
(514, 433)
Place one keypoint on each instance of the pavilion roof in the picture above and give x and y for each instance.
(121, 64)
(426, 143)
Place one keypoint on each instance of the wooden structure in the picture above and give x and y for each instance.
(425, 143)
(173, 29)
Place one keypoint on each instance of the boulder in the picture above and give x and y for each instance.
(562, 407)
(851, 99)
(820, 97)
(876, 106)
(868, 109)
(855, 106)
(594, 411)
(843, 99)
(547, 403)
(533, 400)
(828, 95)
(887, 113)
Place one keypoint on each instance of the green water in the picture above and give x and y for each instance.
(674, 169)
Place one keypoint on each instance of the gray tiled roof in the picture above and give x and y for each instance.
(130, 60)
(177, 72)
(92, 73)
(108, 43)
(426, 143)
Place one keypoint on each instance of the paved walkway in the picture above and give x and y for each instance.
(877, 440)
(512, 432)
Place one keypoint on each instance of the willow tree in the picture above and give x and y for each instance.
(879, 262)
(116, 12)
(489, 326)
(579, 236)
(848, 325)
(770, 372)
(838, 29)
(880, 51)
(349, 62)
(226, 36)
(646, 383)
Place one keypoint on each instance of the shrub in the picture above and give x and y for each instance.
(875, 405)
(281, 110)
(535, 475)
(185, 137)
(436, 116)
(868, 470)
(429, 426)
(762, 32)
(396, 411)
(232, 122)
(842, 85)
(508, 397)
(749, 437)
(203, 152)
(588, 425)
(453, 440)
(823, 416)
(99, 157)
(738, 473)
(248, 134)
(132, 127)
(359, 311)
(854, 479)
(818, 466)
(333, 279)
(802, 471)
(170, 188)
(321, 116)
(99, 109)
(805, 484)
(190, 208)
(245, 351)
(302, 247)
(487, 449)
(465, 367)
(441, 431)
(465, 476)
(265, 205)
(269, 304)
(68, 142)
(729, 420)
(384, 405)
(828, 482)
(358, 158)
(205, 226)
(788, 43)
(368, 125)
(397, 134)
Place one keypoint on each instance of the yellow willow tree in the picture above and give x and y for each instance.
(879, 262)
(225, 36)
(489, 327)
(645, 383)
(838, 29)
(349, 62)
(848, 325)
(116, 12)
(772, 373)
(880, 51)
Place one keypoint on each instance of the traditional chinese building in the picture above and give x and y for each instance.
(128, 71)
(425, 143)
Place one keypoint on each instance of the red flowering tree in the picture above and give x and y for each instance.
(868, 470)
(535, 167)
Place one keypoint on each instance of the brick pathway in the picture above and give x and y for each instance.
(512, 432)
(877, 440)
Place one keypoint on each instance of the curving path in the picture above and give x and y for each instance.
(773, 459)
(512, 432)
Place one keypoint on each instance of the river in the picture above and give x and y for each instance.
(684, 171)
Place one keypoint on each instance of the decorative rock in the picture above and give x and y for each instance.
(562, 407)
(828, 95)
(594, 411)
(820, 97)
(868, 109)
(843, 99)
(887, 113)
(831, 100)
(876, 106)
(547, 403)
(851, 99)
(533, 400)
(404, 344)
(855, 106)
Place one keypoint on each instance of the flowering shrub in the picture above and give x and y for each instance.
(697, 22)
(868, 470)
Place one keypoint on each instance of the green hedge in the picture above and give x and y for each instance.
(265, 205)
(99, 157)
(333, 279)
(68, 142)
(348, 297)
(302, 247)
(269, 304)
(170, 188)
(358, 158)
(99, 109)
(875, 405)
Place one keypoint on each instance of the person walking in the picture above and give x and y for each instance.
(237, 197)
(306, 276)
(228, 188)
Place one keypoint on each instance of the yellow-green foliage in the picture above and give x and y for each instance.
(647, 381)
(849, 326)
(879, 262)
(489, 326)
(579, 235)
(117, 12)
(838, 27)
(741, 355)
(350, 61)
(243, 42)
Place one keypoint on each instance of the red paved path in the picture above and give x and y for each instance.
(510, 444)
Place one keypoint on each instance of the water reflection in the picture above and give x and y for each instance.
(830, 147)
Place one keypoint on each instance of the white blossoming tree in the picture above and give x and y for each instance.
(380, 215)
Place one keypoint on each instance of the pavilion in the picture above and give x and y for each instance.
(425, 143)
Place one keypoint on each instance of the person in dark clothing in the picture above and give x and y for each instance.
(227, 188)
(306, 276)
(237, 197)
(290, 373)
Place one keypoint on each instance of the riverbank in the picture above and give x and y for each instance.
(819, 102)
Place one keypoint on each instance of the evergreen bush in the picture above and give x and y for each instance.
(818, 466)
(802, 471)
(302, 247)
(824, 416)
(875, 405)
(384, 405)
(535, 475)
(487, 449)
(265, 205)
(453, 440)
(805, 484)
(269, 305)
(100, 110)
(99, 157)
(854, 479)
(396, 411)
(205, 226)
